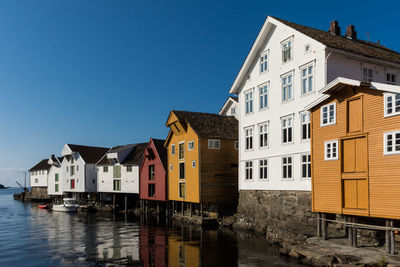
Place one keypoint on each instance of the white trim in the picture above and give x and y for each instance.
(287, 164)
(394, 113)
(312, 75)
(321, 115)
(286, 75)
(251, 90)
(394, 152)
(259, 169)
(292, 128)
(336, 141)
(190, 149)
(301, 165)
(262, 55)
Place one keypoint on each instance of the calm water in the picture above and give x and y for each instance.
(33, 237)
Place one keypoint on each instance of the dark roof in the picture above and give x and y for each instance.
(235, 98)
(136, 155)
(356, 46)
(117, 149)
(42, 165)
(161, 150)
(90, 154)
(210, 125)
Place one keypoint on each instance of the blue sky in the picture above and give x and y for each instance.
(105, 73)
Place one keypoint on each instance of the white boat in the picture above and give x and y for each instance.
(69, 205)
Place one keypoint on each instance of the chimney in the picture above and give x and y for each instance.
(351, 32)
(334, 28)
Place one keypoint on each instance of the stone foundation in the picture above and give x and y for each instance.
(281, 215)
(38, 193)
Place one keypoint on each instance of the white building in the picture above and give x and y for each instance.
(282, 73)
(79, 173)
(54, 177)
(230, 108)
(38, 178)
(118, 170)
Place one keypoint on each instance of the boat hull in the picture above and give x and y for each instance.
(64, 208)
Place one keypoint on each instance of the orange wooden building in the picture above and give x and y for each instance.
(355, 149)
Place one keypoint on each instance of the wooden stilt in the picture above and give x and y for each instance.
(190, 207)
(183, 208)
(345, 225)
(201, 212)
(350, 235)
(158, 208)
(387, 237)
(392, 243)
(355, 238)
(114, 201)
(319, 224)
(324, 226)
(126, 203)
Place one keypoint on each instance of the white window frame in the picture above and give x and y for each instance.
(173, 149)
(305, 48)
(393, 96)
(263, 169)
(305, 122)
(264, 62)
(307, 77)
(287, 45)
(385, 140)
(328, 111)
(190, 145)
(307, 164)
(287, 164)
(367, 74)
(248, 166)
(214, 144)
(290, 119)
(328, 147)
(233, 110)
(389, 78)
(249, 133)
(287, 87)
(249, 101)
(263, 133)
(263, 93)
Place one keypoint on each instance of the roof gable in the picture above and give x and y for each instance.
(228, 103)
(157, 146)
(89, 154)
(42, 165)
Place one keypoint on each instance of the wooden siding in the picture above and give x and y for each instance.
(219, 172)
(374, 176)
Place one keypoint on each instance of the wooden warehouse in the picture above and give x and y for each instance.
(355, 146)
(202, 159)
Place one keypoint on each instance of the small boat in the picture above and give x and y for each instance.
(69, 205)
(43, 206)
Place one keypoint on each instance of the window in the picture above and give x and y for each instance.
(307, 79)
(307, 48)
(151, 172)
(173, 149)
(72, 183)
(331, 150)
(287, 90)
(214, 144)
(182, 170)
(392, 143)
(181, 150)
(182, 190)
(236, 145)
(306, 166)
(72, 160)
(263, 130)
(263, 90)
(263, 169)
(390, 78)
(105, 168)
(117, 171)
(248, 132)
(249, 101)
(152, 190)
(117, 185)
(233, 110)
(56, 177)
(249, 170)
(190, 145)
(67, 168)
(392, 104)
(287, 167)
(77, 168)
(129, 168)
(287, 130)
(193, 164)
(56, 188)
(72, 170)
(305, 126)
(328, 114)
(170, 167)
(367, 75)
(36, 180)
(264, 62)
(287, 51)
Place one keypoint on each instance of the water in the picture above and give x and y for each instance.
(34, 237)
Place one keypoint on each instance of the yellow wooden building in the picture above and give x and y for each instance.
(202, 158)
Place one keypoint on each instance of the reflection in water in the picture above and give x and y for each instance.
(33, 237)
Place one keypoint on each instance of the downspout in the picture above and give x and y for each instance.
(326, 66)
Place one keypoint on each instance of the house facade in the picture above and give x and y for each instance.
(230, 107)
(38, 179)
(202, 158)
(54, 178)
(153, 174)
(79, 170)
(282, 73)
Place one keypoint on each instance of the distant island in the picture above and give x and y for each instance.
(2, 187)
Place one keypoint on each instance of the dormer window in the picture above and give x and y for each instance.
(390, 78)
(367, 75)
(287, 51)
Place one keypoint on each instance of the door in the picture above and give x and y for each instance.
(354, 115)
(355, 173)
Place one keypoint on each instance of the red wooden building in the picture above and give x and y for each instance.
(153, 174)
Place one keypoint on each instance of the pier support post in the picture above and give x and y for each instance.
(201, 212)
(391, 238)
(355, 241)
(190, 208)
(113, 201)
(318, 224)
(387, 237)
(126, 203)
(324, 227)
(183, 208)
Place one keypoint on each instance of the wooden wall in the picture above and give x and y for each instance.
(382, 171)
